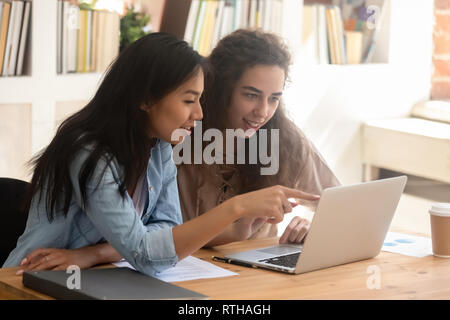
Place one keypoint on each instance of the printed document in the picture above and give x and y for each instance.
(406, 244)
(190, 268)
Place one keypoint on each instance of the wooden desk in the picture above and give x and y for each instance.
(402, 277)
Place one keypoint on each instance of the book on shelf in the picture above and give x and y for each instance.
(81, 41)
(338, 32)
(15, 38)
(94, 39)
(23, 38)
(332, 36)
(108, 42)
(227, 21)
(4, 23)
(343, 32)
(321, 35)
(310, 41)
(354, 46)
(253, 14)
(88, 40)
(210, 20)
(59, 36)
(314, 40)
(14, 30)
(192, 21)
(218, 23)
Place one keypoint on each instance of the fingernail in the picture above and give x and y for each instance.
(23, 261)
(19, 272)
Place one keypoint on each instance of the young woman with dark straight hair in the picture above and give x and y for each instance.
(106, 188)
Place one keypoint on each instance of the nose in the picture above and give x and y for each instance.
(197, 113)
(262, 109)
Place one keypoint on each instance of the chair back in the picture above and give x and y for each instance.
(13, 216)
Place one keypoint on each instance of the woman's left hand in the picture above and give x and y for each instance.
(57, 259)
(295, 231)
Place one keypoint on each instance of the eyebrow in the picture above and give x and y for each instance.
(259, 91)
(192, 92)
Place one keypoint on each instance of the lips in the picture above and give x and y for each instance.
(186, 130)
(253, 124)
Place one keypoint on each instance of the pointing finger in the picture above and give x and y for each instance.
(294, 193)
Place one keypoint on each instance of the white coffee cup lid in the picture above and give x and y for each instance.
(441, 209)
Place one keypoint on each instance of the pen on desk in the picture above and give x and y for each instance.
(220, 259)
(230, 261)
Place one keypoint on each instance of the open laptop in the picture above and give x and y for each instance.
(350, 224)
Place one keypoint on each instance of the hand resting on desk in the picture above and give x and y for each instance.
(61, 259)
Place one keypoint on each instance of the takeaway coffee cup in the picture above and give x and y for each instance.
(440, 229)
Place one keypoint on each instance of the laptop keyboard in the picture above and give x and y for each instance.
(289, 260)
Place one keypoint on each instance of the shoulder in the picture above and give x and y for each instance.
(311, 152)
(308, 150)
(86, 151)
(315, 173)
(105, 167)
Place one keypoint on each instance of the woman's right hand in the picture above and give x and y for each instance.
(269, 203)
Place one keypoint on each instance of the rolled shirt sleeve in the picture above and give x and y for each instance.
(167, 212)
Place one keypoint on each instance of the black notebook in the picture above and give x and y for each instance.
(105, 284)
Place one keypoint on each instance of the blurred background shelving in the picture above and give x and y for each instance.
(328, 101)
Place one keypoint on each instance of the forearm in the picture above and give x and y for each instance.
(102, 253)
(210, 229)
(226, 236)
(196, 233)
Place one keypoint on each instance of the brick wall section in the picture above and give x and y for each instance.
(440, 88)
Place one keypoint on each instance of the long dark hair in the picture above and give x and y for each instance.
(112, 122)
(232, 56)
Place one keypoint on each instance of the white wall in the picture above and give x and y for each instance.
(330, 102)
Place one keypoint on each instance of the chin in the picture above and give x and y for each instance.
(251, 134)
(179, 141)
(175, 142)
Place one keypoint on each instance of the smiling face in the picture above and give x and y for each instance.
(256, 97)
(177, 111)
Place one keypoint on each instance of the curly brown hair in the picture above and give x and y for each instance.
(233, 55)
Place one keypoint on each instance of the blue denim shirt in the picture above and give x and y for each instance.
(145, 242)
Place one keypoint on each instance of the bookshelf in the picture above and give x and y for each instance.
(329, 102)
(33, 104)
(14, 38)
(87, 39)
(300, 22)
(176, 18)
(340, 32)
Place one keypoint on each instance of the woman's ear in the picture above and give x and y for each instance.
(144, 107)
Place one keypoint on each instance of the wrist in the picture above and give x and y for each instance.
(235, 208)
(87, 257)
(95, 254)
